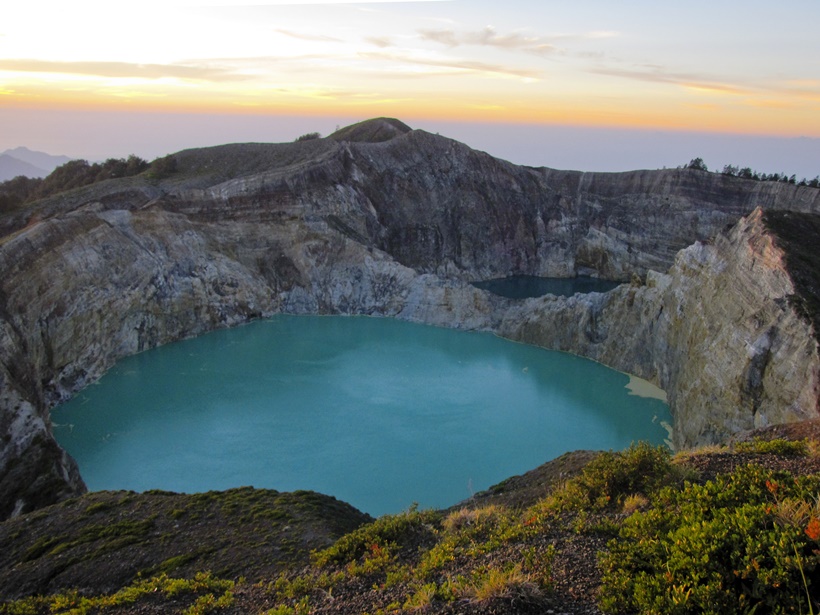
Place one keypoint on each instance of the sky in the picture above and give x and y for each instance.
(591, 84)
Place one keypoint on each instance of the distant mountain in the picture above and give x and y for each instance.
(11, 167)
(23, 161)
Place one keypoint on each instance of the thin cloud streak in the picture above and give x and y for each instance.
(464, 66)
(801, 89)
(119, 70)
(515, 41)
(658, 75)
(379, 41)
(319, 38)
(488, 37)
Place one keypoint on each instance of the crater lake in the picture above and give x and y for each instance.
(377, 412)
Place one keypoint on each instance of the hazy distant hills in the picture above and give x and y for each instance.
(23, 161)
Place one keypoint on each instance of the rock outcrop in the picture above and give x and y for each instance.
(387, 221)
(719, 333)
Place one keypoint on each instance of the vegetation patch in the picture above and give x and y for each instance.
(637, 531)
(744, 542)
(779, 446)
(202, 594)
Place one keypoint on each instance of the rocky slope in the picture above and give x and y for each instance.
(719, 333)
(382, 220)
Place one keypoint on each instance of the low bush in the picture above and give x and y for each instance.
(744, 542)
(613, 477)
(786, 448)
(379, 535)
(210, 594)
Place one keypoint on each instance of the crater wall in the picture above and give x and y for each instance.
(397, 228)
(719, 333)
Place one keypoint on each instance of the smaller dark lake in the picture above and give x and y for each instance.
(525, 286)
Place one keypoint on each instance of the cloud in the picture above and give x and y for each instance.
(771, 104)
(131, 94)
(808, 84)
(763, 95)
(308, 37)
(803, 88)
(379, 41)
(712, 87)
(445, 37)
(488, 37)
(123, 70)
(657, 74)
(460, 66)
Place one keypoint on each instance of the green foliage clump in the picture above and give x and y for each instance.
(300, 608)
(383, 533)
(310, 136)
(744, 542)
(786, 448)
(467, 534)
(697, 164)
(110, 537)
(163, 167)
(19, 191)
(211, 594)
(470, 555)
(77, 173)
(612, 477)
(747, 173)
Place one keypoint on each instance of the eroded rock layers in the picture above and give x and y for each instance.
(386, 221)
(719, 332)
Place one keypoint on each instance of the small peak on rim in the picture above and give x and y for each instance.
(372, 131)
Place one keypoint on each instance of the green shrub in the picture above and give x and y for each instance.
(786, 448)
(204, 586)
(376, 536)
(163, 167)
(471, 533)
(310, 136)
(610, 478)
(737, 544)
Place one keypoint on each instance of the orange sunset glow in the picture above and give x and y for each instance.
(716, 68)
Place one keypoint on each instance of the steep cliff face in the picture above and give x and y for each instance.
(737, 353)
(438, 206)
(386, 221)
(720, 333)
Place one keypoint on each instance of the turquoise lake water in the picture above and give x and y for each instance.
(377, 412)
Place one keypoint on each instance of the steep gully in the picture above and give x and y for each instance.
(386, 221)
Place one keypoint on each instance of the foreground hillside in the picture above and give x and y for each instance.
(724, 530)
